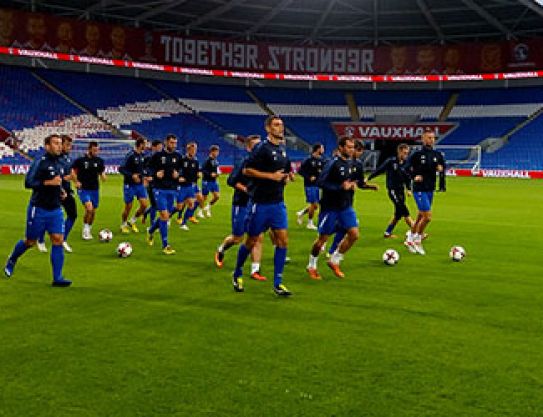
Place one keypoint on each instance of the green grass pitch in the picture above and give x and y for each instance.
(153, 335)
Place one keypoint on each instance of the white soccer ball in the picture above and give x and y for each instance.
(105, 235)
(391, 257)
(124, 250)
(457, 253)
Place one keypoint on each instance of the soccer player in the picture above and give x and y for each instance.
(164, 166)
(397, 181)
(310, 171)
(422, 166)
(68, 201)
(210, 173)
(337, 210)
(269, 168)
(133, 171)
(156, 146)
(240, 206)
(44, 211)
(188, 190)
(87, 170)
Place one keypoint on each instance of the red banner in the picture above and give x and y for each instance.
(49, 33)
(385, 131)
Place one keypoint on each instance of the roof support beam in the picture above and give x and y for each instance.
(269, 16)
(161, 9)
(488, 17)
(375, 23)
(430, 18)
(322, 19)
(531, 4)
(214, 13)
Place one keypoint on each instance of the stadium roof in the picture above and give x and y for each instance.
(315, 21)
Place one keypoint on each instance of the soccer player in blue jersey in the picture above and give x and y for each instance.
(156, 146)
(87, 170)
(165, 167)
(133, 171)
(269, 168)
(68, 201)
(188, 190)
(337, 212)
(310, 171)
(422, 166)
(44, 211)
(241, 204)
(210, 173)
(397, 181)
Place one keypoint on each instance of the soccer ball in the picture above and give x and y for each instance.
(457, 253)
(391, 257)
(105, 235)
(124, 250)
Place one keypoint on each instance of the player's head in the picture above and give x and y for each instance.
(170, 142)
(345, 147)
(275, 128)
(214, 151)
(359, 148)
(53, 144)
(251, 142)
(428, 138)
(141, 143)
(66, 143)
(317, 149)
(156, 146)
(402, 151)
(192, 148)
(93, 149)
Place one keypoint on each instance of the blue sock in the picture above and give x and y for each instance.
(68, 224)
(188, 214)
(279, 265)
(152, 215)
(18, 250)
(163, 226)
(57, 261)
(338, 237)
(41, 237)
(154, 226)
(243, 253)
(390, 228)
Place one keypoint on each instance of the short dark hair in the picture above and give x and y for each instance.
(270, 119)
(156, 142)
(252, 137)
(343, 140)
(191, 144)
(66, 138)
(402, 146)
(47, 140)
(359, 145)
(170, 136)
(93, 144)
(140, 141)
(316, 147)
(213, 148)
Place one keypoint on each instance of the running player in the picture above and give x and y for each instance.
(87, 170)
(397, 181)
(210, 173)
(240, 205)
(133, 170)
(164, 166)
(269, 168)
(44, 211)
(310, 171)
(337, 210)
(422, 166)
(188, 190)
(156, 146)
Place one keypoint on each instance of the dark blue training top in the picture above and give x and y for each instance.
(134, 163)
(67, 162)
(424, 162)
(335, 172)
(311, 167)
(88, 170)
(239, 198)
(190, 167)
(397, 178)
(42, 169)
(267, 157)
(167, 162)
(211, 166)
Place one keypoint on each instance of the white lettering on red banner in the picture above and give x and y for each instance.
(381, 131)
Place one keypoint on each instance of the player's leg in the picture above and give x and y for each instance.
(189, 205)
(346, 220)
(35, 226)
(238, 218)
(57, 259)
(142, 201)
(256, 257)
(215, 195)
(277, 219)
(339, 235)
(88, 219)
(125, 229)
(312, 266)
(70, 208)
(40, 244)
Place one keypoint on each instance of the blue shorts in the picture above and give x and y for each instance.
(196, 189)
(185, 192)
(262, 217)
(39, 221)
(239, 220)
(165, 199)
(134, 190)
(330, 221)
(424, 200)
(89, 195)
(210, 187)
(312, 195)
